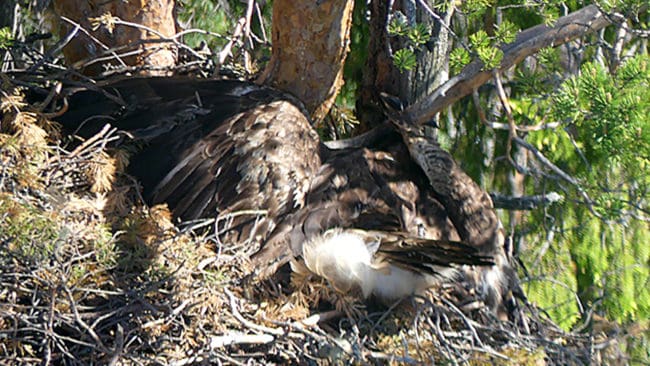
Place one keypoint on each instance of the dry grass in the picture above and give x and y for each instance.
(90, 275)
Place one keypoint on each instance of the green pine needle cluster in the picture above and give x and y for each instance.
(414, 38)
(602, 253)
(610, 112)
(6, 38)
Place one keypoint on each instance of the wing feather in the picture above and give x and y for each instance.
(209, 148)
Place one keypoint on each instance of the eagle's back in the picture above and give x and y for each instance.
(223, 149)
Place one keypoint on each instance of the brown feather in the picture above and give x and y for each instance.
(209, 148)
(248, 156)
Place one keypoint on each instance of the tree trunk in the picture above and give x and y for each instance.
(432, 68)
(7, 13)
(310, 44)
(137, 45)
(381, 74)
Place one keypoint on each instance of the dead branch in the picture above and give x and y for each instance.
(223, 55)
(559, 172)
(525, 202)
(577, 24)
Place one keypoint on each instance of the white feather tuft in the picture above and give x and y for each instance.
(345, 259)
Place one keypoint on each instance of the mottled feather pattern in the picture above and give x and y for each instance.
(470, 208)
(375, 195)
(210, 148)
(472, 212)
(248, 156)
(422, 251)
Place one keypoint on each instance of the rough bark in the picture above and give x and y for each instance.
(380, 74)
(310, 44)
(7, 13)
(432, 68)
(140, 43)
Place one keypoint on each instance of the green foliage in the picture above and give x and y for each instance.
(610, 112)
(36, 236)
(398, 26)
(476, 6)
(458, 58)
(491, 57)
(404, 59)
(622, 6)
(356, 61)
(605, 146)
(550, 15)
(205, 15)
(219, 18)
(588, 253)
(480, 39)
(505, 32)
(6, 38)
(32, 234)
(419, 35)
(486, 47)
(414, 38)
(548, 57)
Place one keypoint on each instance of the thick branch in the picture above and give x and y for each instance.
(577, 24)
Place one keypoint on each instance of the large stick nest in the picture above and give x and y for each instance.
(90, 275)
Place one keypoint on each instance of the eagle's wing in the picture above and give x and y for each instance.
(226, 149)
(469, 207)
(425, 255)
(471, 210)
(381, 192)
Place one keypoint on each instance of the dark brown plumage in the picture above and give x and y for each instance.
(209, 148)
(381, 188)
(229, 148)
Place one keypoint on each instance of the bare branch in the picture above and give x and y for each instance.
(225, 52)
(559, 172)
(524, 202)
(512, 130)
(567, 28)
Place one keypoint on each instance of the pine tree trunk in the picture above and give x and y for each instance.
(147, 57)
(7, 13)
(432, 68)
(310, 44)
(381, 74)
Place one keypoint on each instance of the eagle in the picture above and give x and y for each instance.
(207, 148)
(385, 214)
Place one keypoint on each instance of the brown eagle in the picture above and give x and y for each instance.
(388, 213)
(208, 148)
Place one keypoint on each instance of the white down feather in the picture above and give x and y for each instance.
(345, 259)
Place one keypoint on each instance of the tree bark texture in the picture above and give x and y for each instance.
(310, 44)
(156, 15)
(432, 68)
(7, 13)
(380, 74)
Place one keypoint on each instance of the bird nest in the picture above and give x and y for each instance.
(90, 275)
